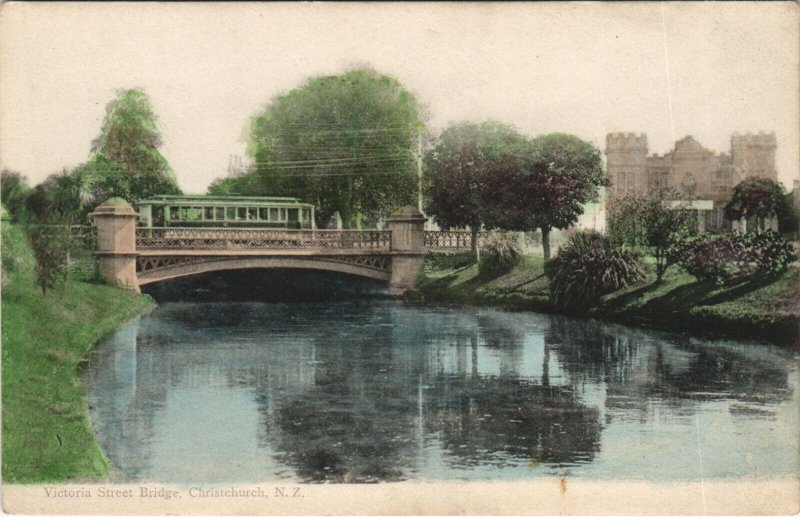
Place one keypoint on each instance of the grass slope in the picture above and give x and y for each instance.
(759, 308)
(46, 431)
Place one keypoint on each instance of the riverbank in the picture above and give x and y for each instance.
(766, 309)
(46, 431)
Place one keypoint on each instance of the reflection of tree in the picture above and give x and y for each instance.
(485, 419)
(499, 334)
(361, 419)
(355, 424)
(503, 338)
(723, 374)
(636, 367)
(359, 441)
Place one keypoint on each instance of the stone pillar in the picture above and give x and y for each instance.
(116, 243)
(408, 248)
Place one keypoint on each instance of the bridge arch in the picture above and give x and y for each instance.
(367, 269)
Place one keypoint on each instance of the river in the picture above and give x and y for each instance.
(375, 390)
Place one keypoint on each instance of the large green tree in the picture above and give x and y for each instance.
(457, 170)
(13, 191)
(544, 184)
(345, 143)
(759, 198)
(126, 160)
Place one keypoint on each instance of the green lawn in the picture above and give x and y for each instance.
(46, 431)
(758, 308)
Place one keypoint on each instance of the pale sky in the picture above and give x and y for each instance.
(666, 69)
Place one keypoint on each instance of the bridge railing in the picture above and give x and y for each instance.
(452, 241)
(234, 239)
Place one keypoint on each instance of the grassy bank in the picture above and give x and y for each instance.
(46, 431)
(763, 308)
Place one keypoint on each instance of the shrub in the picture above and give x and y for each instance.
(769, 252)
(588, 267)
(438, 262)
(502, 251)
(50, 247)
(734, 256)
(650, 223)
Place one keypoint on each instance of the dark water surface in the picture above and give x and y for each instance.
(355, 391)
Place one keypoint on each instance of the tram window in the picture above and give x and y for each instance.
(252, 214)
(220, 213)
(263, 214)
(283, 214)
(173, 212)
(273, 214)
(231, 213)
(184, 213)
(209, 213)
(241, 214)
(158, 215)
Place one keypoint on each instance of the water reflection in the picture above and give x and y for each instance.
(377, 391)
(637, 366)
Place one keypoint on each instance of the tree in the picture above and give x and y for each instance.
(13, 191)
(50, 245)
(64, 198)
(345, 143)
(223, 187)
(108, 179)
(456, 172)
(760, 198)
(126, 160)
(649, 222)
(543, 184)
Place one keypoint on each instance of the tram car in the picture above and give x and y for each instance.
(226, 211)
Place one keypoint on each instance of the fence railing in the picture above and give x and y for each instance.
(452, 241)
(215, 239)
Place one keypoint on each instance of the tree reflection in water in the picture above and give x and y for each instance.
(640, 366)
(361, 420)
(489, 420)
(378, 391)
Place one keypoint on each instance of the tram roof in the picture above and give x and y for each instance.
(204, 200)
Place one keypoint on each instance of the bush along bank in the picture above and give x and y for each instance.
(47, 434)
(760, 307)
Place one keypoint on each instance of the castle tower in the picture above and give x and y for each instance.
(626, 163)
(754, 155)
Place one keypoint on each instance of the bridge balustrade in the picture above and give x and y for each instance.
(233, 239)
(452, 241)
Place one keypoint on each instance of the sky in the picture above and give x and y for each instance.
(664, 69)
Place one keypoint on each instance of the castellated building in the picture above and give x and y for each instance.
(690, 169)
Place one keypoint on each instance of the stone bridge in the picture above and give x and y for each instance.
(131, 256)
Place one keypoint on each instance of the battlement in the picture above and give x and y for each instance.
(626, 142)
(762, 139)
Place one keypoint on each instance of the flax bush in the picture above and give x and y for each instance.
(588, 267)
